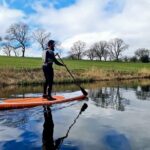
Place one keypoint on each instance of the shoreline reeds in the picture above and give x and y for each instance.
(28, 76)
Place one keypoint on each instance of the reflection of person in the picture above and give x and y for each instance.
(48, 129)
(48, 60)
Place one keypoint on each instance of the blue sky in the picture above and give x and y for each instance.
(87, 20)
(112, 6)
(26, 5)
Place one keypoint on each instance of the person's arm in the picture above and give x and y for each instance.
(56, 61)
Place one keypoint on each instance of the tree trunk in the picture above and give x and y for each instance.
(23, 52)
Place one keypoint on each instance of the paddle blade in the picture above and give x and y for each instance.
(84, 107)
(83, 91)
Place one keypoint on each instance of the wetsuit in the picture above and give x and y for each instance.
(48, 59)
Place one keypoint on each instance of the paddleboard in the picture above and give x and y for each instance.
(35, 101)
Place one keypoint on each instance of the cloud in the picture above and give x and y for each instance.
(98, 20)
(9, 16)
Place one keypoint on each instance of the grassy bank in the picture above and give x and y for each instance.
(15, 70)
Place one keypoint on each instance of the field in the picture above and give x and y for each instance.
(17, 70)
(33, 63)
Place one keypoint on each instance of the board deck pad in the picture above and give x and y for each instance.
(35, 101)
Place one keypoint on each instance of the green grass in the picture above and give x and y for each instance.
(19, 62)
(32, 63)
(121, 66)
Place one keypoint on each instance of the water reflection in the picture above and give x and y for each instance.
(98, 128)
(31, 91)
(117, 141)
(143, 92)
(109, 97)
(48, 130)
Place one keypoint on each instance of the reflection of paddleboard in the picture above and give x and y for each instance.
(35, 101)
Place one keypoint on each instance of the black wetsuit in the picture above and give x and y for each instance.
(48, 71)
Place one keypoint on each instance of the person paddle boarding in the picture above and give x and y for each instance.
(48, 60)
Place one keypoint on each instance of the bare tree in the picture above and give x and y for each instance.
(7, 48)
(99, 48)
(90, 53)
(105, 54)
(58, 48)
(77, 50)
(42, 37)
(18, 35)
(17, 52)
(142, 52)
(116, 47)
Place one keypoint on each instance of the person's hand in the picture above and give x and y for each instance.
(56, 54)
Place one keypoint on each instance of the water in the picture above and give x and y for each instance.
(117, 118)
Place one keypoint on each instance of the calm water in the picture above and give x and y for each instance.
(117, 118)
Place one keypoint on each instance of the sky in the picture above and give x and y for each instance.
(86, 20)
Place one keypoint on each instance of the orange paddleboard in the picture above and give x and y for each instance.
(35, 101)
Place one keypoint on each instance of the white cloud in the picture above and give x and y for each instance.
(9, 16)
(89, 21)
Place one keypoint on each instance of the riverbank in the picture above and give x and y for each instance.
(27, 71)
(35, 76)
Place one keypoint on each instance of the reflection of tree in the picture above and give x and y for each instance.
(143, 92)
(25, 91)
(109, 98)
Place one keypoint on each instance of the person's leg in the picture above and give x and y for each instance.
(45, 85)
(50, 84)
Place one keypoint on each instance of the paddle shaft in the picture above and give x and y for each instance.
(83, 91)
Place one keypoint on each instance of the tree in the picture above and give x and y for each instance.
(142, 52)
(105, 54)
(90, 53)
(145, 59)
(18, 35)
(116, 47)
(133, 59)
(42, 37)
(99, 48)
(7, 48)
(77, 50)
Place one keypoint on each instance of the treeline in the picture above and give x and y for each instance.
(19, 37)
(104, 50)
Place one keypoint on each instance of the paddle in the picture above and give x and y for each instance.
(83, 90)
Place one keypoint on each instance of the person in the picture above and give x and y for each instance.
(48, 60)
